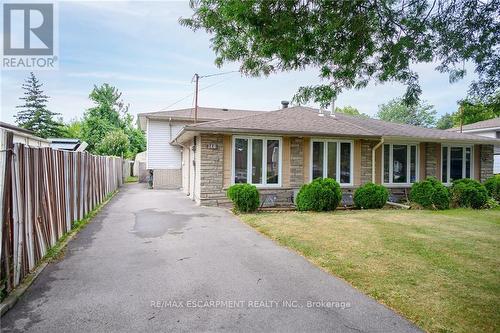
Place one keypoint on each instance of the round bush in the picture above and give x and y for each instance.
(492, 185)
(430, 194)
(322, 194)
(245, 197)
(468, 193)
(370, 196)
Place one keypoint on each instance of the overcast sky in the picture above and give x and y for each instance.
(140, 48)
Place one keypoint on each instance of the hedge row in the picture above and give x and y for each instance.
(324, 194)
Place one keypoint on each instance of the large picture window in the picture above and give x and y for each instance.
(257, 160)
(455, 163)
(332, 159)
(400, 163)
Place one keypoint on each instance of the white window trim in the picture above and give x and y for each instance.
(408, 159)
(264, 159)
(448, 166)
(337, 166)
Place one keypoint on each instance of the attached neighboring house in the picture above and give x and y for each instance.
(489, 128)
(278, 151)
(162, 127)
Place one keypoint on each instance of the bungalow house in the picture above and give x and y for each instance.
(280, 150)
(162, 127)
(489, 128)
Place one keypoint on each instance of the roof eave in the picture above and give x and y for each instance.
(479, 140)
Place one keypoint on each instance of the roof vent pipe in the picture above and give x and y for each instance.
(284, 104)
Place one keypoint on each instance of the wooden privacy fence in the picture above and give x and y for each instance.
(45, 191)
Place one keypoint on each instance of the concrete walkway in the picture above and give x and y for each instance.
(154, 261)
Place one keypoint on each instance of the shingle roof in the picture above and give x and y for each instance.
(204, 114)
(495, 122)
(306, 121)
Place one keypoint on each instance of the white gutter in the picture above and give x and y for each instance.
(373, 158)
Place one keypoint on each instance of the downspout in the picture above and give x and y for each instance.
(170, 128)
(373, 158)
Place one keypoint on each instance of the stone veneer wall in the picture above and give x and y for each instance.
(212, 170)
(296, 162)
(430, 161)
(366, 160)
(487, 158)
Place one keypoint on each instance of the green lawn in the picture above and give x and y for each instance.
(131, 179)
(441, 269)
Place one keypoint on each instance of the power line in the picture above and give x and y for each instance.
(178, 101)
(204, 88)
(217, 74)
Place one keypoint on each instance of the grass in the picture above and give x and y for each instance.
(131, 179)
(440, 269)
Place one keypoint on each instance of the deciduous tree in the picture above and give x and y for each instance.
(422, 114)
(350, 110)
(354, 42)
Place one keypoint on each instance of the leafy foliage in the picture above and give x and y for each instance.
(245, 197)
(471, 111)
(468, 193)
(397, 111)
(33, 114)
(446, 121)
(354, 42)
(370, 196)
(352, 111)
(115, 143)
(492, 185)
(73, 129)
(108, 116)
(322, 194)
(430, 194)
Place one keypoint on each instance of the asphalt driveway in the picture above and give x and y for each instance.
(154, 261)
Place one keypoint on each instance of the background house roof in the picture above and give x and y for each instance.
(485, 124)
(300, 120)
(204, 114)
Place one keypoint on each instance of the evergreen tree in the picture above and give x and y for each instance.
(33, 114)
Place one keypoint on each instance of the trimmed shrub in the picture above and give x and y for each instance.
(492, 185)
(370, 196)
(245, 197)
(430, 194)
(322, 194)
(468, 193)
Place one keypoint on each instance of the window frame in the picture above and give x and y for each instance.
(408, 168)
(337, 162)
(464, 163)
(264, 139)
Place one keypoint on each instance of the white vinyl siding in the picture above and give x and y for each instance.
(161, 154)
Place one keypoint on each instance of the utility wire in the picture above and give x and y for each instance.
(209, 86)
(217, 74)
